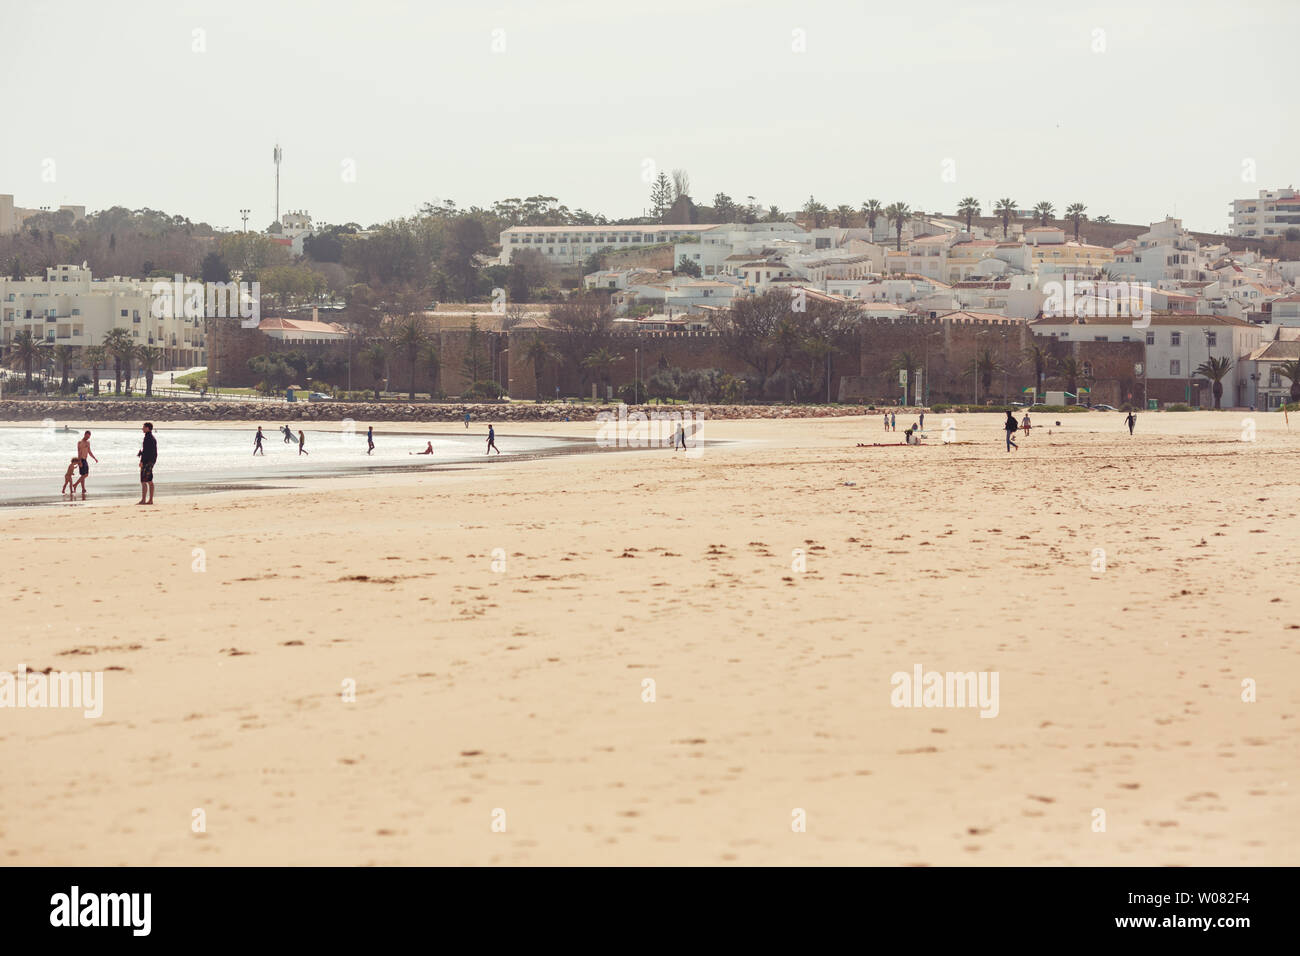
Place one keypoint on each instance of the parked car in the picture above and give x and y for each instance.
(1104, 408)
(318, 397)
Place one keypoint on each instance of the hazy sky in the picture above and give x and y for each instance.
(846, 101)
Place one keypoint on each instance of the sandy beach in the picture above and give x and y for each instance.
(505, 627)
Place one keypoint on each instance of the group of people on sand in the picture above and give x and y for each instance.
(79, 467)
(912, 436)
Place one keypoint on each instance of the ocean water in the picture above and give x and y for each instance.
(33, 458)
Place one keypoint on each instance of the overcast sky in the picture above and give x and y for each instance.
(1138, 109)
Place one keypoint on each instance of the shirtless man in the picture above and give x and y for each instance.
(84, 452)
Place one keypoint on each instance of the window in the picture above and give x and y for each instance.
(1211, 339)
(1175, 367)
(1101, 338)
(1175, 338)
(1151, 338)
(124, 313)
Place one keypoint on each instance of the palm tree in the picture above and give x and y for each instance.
(25, 351)
(1070, 370)
(409, 337)
(1215, 368)
(1006, 208)
(95, 357)
(602, 360)
(903, 361)
(539, 352)
(872, 209)
(984, 367)
(115, 340)
(128, 350)
(150, 358)
(1075, 213)
(1042, 360)
(843, 215)
(898, 214)
(375, 354)
(63, 356)
(1044, 211)
(970, 208)
(1291, 370)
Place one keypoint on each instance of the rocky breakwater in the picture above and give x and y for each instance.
(278, 412)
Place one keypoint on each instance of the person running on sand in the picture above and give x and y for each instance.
(148, 455)
(370, 439)
(302, 441)
(68, 480)
(492, 442)
(1130, 421)
(83, 453)
(1011, 425)
(257, 442)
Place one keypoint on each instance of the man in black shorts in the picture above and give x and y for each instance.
(148, 456)
(83, 453)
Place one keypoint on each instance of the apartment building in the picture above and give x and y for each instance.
(569, 245)
(68, 306)
(1272, 213)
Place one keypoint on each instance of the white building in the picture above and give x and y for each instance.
(67, 306)
(569, 245)
(1271, 214)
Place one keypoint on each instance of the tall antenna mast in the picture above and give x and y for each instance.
(278, 154)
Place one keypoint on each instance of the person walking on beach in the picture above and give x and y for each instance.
(467, 419)
(302, 441)
(679, 438)
(68, 480)
(370, 439)
(1024, 423)
(893, 421)
(921, 424)
(288, 435)
(886, 414)
(148, 455)
(492, 441)
(257, 442)
(1130, 421)
(84, 453)
(1011, 425)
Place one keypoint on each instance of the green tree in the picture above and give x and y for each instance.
(1215, 368)
(459, 260)
(970, 208)
(898, 213)
(687, 268)
(661, 195)
(25, 352)
(95, 357)
(472, 363)
(983, 367)
(1042, 360)
(63, 358)
(815, 211)
(409, 336)
(1291, 370)
(1075, 213)
(1070, 369)
(150, 359)
(375, 356)
(1044, 211)
(843, 216)
(1006, 208)
(871, 210)
(603, 361)
(539, 352)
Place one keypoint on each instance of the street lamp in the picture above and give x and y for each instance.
(243, 214)
(636, 385)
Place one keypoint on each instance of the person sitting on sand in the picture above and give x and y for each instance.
(428, 450)
(70, 482)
